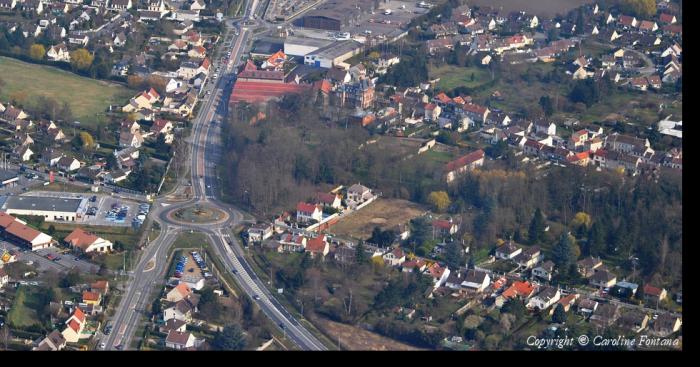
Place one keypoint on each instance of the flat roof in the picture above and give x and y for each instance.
(44, 203)
(7, 175)
(336, 49)
(307, 41)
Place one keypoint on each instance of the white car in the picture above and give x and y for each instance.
(103, 346)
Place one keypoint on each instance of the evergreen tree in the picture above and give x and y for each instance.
(559, 315)
(561, 253)
(454, 255)
(596, 240)
(231, 338)
(536, 233)
(360, 254)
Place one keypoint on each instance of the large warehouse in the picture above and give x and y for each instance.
(302, 46)
(335, 15)
(53, 209)
(333, 54)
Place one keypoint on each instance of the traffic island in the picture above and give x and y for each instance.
(198, 214)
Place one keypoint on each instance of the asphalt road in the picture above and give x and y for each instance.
(205, 150)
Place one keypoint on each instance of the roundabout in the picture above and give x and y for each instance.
(197, 214)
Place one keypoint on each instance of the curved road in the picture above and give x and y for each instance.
(150, 270)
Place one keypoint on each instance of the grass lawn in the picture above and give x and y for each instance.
(454, 76)
(23, 313)
(85, 96)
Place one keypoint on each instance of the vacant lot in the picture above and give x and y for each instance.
(383, 213)
(546, 8)
(24, 308)
(354, 338)
(452, 76)
(85, 96)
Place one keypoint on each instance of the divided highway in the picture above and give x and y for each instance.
(206, 149)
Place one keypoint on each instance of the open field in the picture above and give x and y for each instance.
(85, 96)
(354, 338)
(383, 213)
(24, 309)
(452, 76)
(547, 8)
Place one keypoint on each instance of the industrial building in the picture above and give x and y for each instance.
(17, 231)
(302, 46)
(333, 54)
(8, 178)
(52, 209)
(335, 15)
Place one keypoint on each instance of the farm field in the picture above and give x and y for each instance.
(85, 96)
(547, 8)
(383, 213)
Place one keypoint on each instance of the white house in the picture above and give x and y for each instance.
(177, 294)
(544, 271)
(180, 340)
(58, 53)
(88, 242)
(308, 212)
(508, 251)
(547, 297)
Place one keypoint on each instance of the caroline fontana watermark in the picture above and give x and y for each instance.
(600, 341)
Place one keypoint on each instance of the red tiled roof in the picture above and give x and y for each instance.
(464, 160)
(74, 325)
(21, 231)
(666, 18)
(326, 198)
(652, 291)
(6, 219)
(183, 289)
(442, 223)
(430, 106)
(306, 207)
(521, 289)
(78, 313)
(442, 97)
(317, 244)
(91, 296)
(80, 238)
(323, 85)
(474, 108)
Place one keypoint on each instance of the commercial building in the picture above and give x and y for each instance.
(17, 231)
(302, 46)
(53, 209)
(8, 178)
(333, 54)
(334, 15)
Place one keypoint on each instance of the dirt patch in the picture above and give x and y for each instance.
(547, 8)
(354, 338)
(383, 213)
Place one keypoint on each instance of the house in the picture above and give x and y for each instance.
(68, 164)
(544, 271)
(566, 302)
(587, 267)
(605, 315)
(654, 294)
(476, 280)
(431, 112)
(628, 21)
(444, 228)
(8, 4)
(129, 139)
(624, 289)
(197, 52)
(648, 26)
(87, 242)
(625, 143)
(182, 310)
(542, 126)
(74, 326)
(529, 257)
(409, 265)
(358, 194)
(12, 113)
(179, 340)
(317, 246)
(475, 112)
(180, 292)
(16, 231)
(23, 152)
(58, 53)
(463, 164)
(603, 279)
(173, 325)
(92, 298)
(275, 61)
(508, 251)
(666, 324)
(634, 321)
(259, 232)
(329, 200)
(292, 242)
(395, 257)
(78, 38)
(438, 273)
(667, 18)
(519, 289)
(587, 306)
(545, 298)
(53, 342)
(120, 4)
(307, 212)
(161, 126)
(100, 286)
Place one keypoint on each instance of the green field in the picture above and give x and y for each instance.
(24, 309)
(85, 96)
(454, 76)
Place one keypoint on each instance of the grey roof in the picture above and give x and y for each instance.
(6, 175)
(43, 203)
(304, 41)
(336, 49)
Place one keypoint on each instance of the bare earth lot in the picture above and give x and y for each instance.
(354, 338)
(547, 8)
(384, 213)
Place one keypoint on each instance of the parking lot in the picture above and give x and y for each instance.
(105, 210)
(63, 261)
